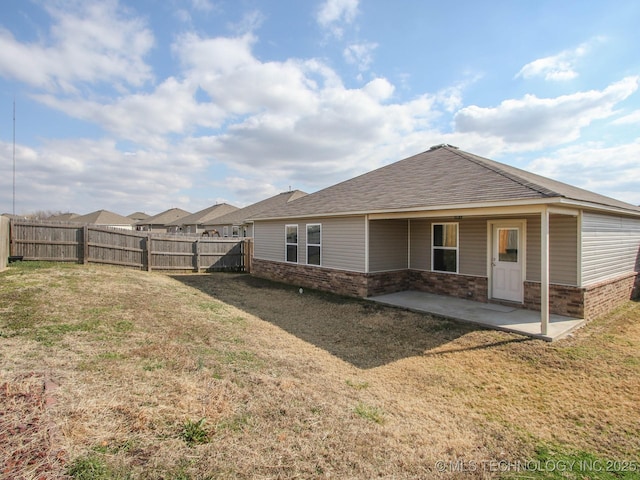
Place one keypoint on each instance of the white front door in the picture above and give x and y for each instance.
(507, 263)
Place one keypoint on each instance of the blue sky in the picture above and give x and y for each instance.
(152, 104)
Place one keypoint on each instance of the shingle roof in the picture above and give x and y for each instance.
(241, 215)
(165, 217)
(63, 217)
(102, 217)
(137, 216)
(441, 176)
(205, 215)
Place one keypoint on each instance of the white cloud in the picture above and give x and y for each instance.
(609, 170)
(630, 119)
(145, 118)
(255, 126)
(86, 175)
(202, 5)
(250, 22)
(360, 54)
(247, 190)
(333, 14)
(559, 67)
(533, 122)
(94, 42)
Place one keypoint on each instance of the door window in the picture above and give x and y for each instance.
(508, 244)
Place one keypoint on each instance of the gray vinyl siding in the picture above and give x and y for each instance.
(472, 248)
(610, 247)
(563, 249)
(533, 249)
(420, 244)
(269, 241)
(388, 245)
(343, 241)
(472, 253)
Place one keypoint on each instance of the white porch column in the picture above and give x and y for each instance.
(544, 271)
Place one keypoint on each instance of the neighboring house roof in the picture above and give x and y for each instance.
(102, 217)
(166, 217)
(138, 216)
(441, 177)
(63, 217)
(241, 215)
(205, 215)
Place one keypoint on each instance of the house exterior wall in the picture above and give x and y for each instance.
(388, 245)
(343, 269)
(340, 282)
(220, 229)
(472, 248)
(269, 241)
(420, 235)
(610, 247)
(563, 249)
(343, 241)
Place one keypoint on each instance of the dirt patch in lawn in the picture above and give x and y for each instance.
(229, 376)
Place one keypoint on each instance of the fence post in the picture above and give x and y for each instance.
(12, 238)
(85, 245)
(197, 254)
(148, 252)
(248, 254)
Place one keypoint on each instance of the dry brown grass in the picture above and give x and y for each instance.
(293, 385)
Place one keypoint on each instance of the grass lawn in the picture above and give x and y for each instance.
(109, 373)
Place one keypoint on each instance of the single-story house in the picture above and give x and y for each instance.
(236, 224)
(104, 218)
(450, 222)
(138, 216)
(63, 217)
(159, 222)
(195, 222)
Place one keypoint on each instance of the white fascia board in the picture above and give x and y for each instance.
(560, 205)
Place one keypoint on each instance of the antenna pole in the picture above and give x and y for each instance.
(14, 155)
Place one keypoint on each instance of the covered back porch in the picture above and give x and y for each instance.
(519, 265)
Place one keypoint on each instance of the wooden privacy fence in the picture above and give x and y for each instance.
(4, 242)
(69, 242)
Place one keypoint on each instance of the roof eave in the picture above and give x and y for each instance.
(462, 206)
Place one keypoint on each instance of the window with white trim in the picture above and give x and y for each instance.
(444, 247)
(235, 231)
(314, 244)
(225, 231)
(291, 243)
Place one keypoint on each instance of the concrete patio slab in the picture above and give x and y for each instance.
(489, 315)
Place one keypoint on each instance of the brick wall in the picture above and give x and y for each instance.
(372, 284)
(563, 299)
(605, 296)
(337, 281)
(461, 286)
(387, 282)
(566, 300)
